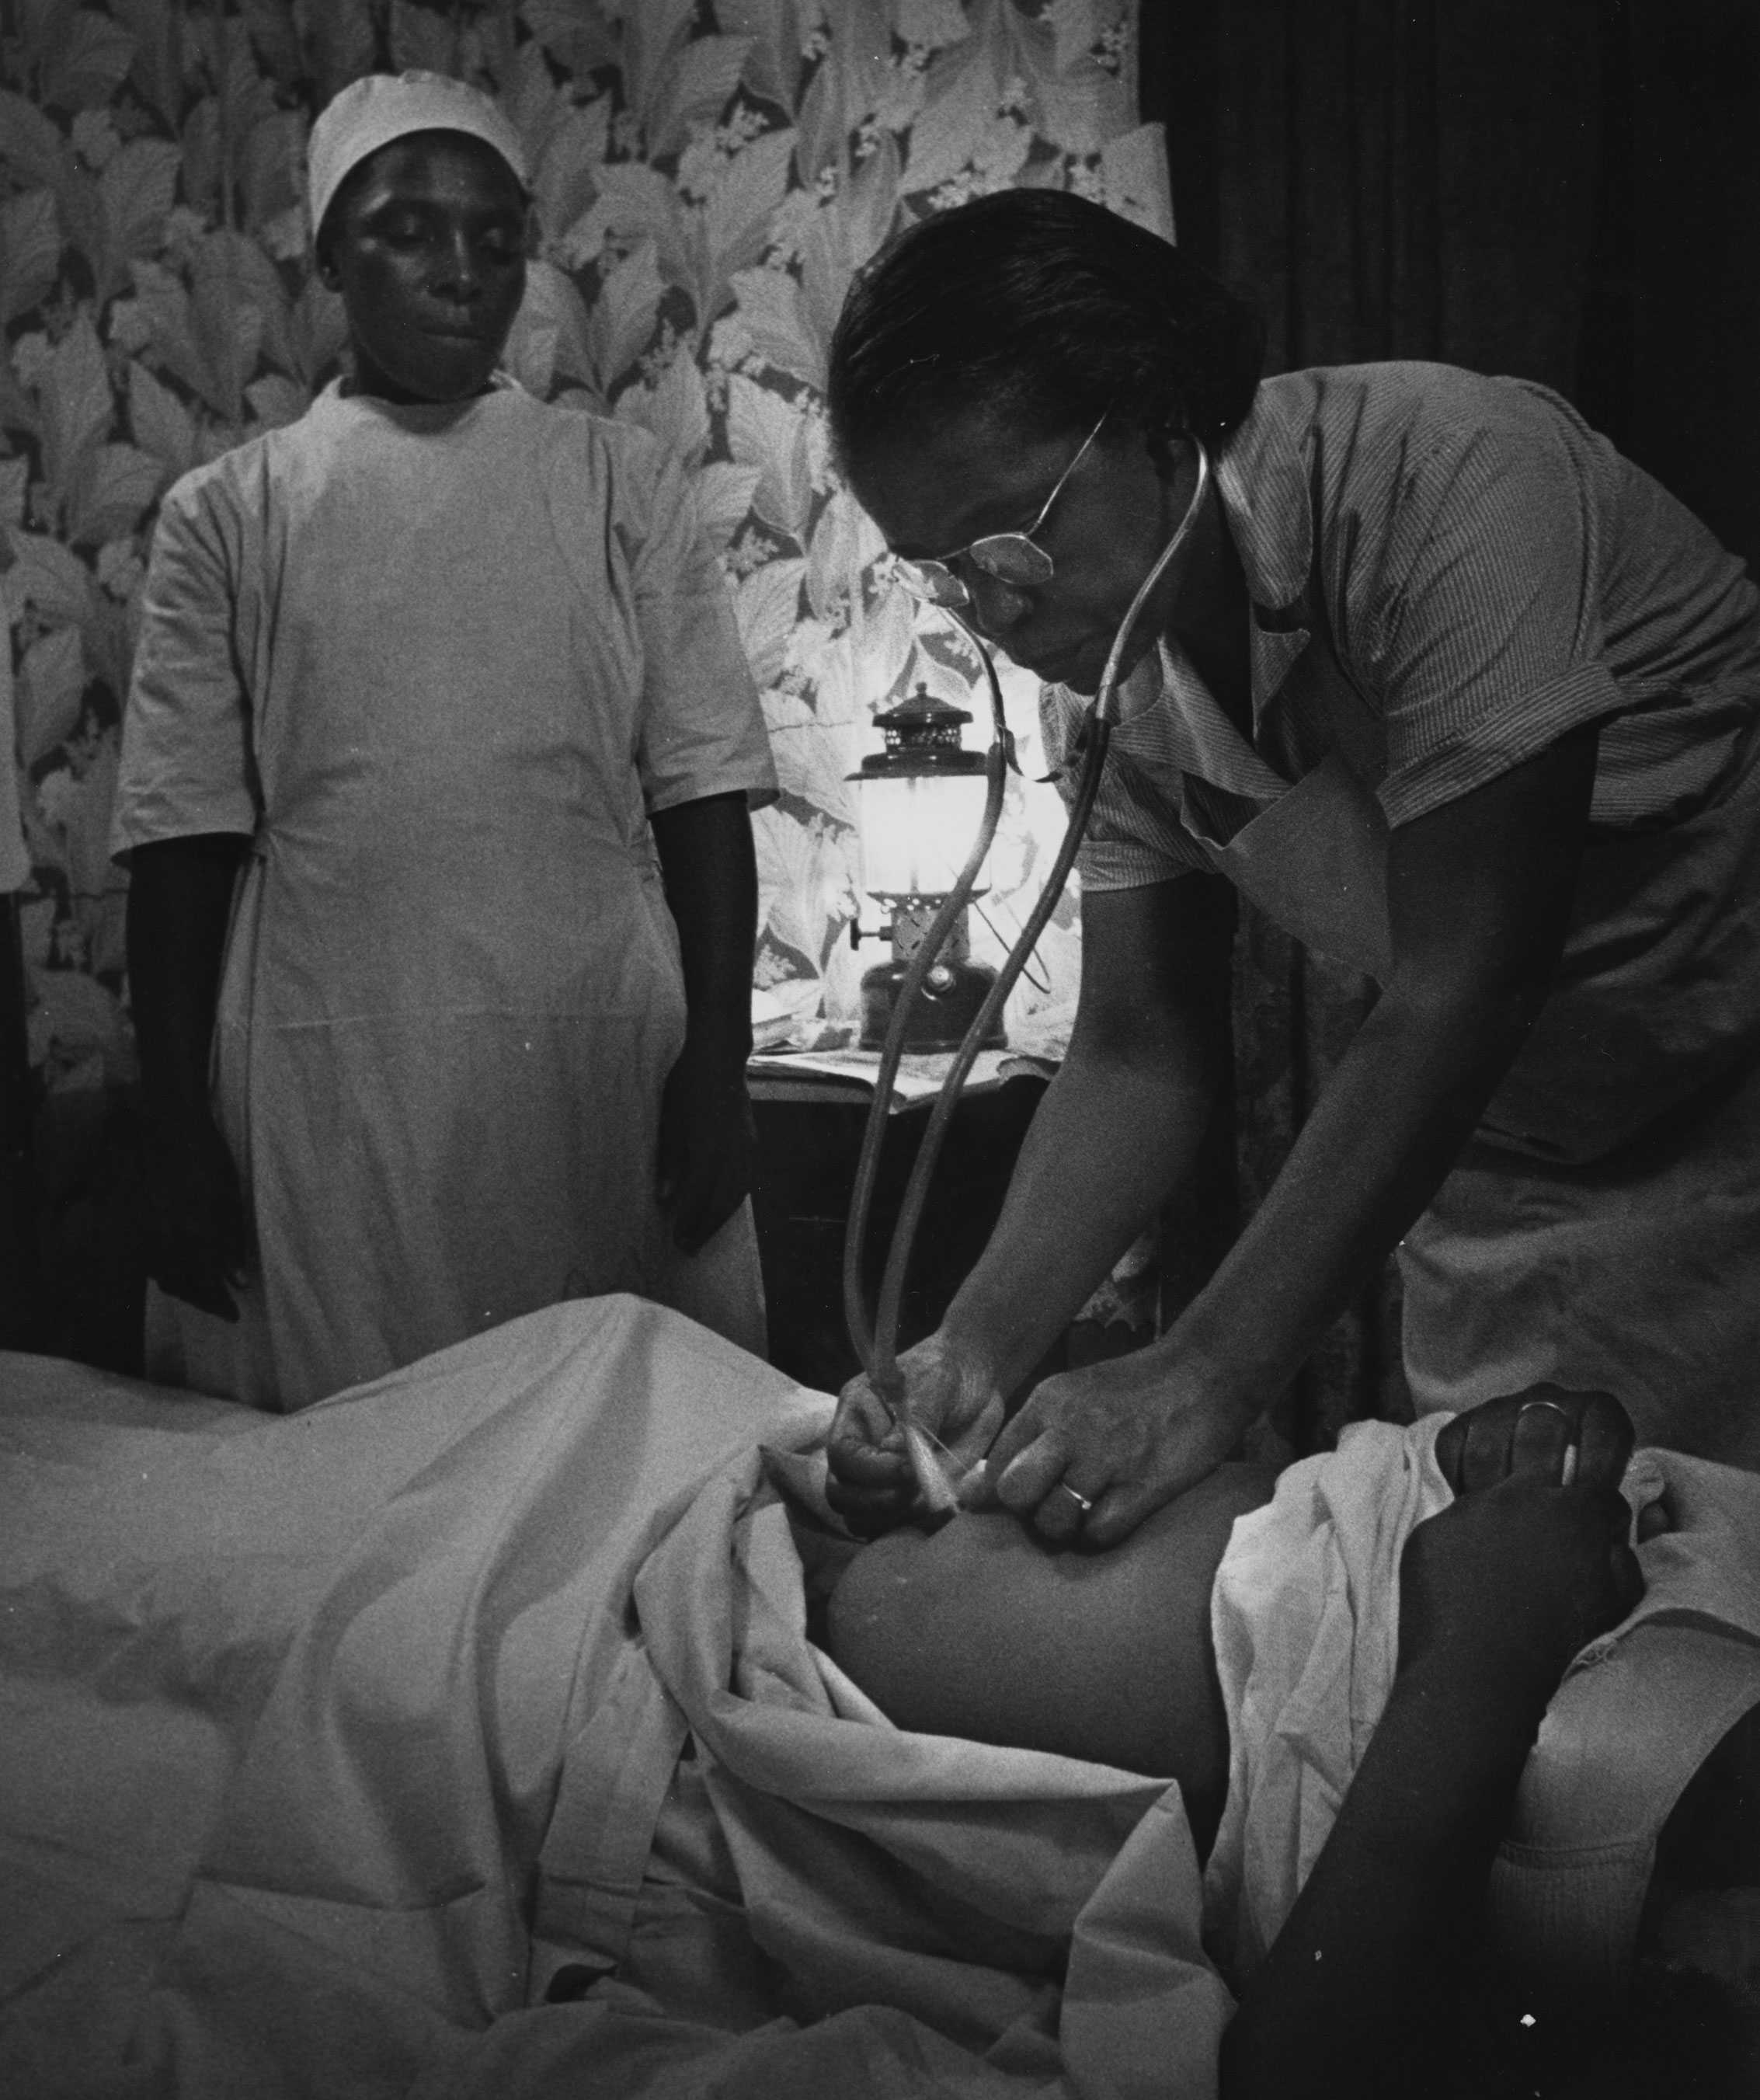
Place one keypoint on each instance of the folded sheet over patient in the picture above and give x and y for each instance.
(496, 1679)
(539, 1698)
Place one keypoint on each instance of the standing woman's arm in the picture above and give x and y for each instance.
(180, 900)
(1120, 1127)
(1479, 902)
(706, 1140)
(1479, 899)
(188, 802)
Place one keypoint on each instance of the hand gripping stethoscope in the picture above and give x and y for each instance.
(876, 1346)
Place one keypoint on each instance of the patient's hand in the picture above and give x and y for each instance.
(1520, 1573)
(1497, 1593)
(1531, 1432)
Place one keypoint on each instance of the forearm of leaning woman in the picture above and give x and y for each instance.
(1480, 895)
(1394, 1117)
(1120, 1126)
(1113, 1135)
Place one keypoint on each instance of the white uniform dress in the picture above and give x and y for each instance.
(438, 663)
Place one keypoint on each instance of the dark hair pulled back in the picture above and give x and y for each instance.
(1042, 310)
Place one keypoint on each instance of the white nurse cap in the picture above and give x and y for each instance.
(371, 113)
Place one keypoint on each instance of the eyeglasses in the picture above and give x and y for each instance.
(1015, 558)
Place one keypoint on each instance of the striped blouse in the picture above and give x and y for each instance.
(1489, 574)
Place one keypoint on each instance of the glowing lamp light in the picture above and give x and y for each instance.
(918, 810)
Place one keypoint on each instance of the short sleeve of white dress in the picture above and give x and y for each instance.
(700, 727)
(186, 763)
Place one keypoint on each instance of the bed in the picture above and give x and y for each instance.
(461, 1737)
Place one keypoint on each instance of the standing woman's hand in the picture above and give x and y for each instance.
(198, 1234)
(1093, 1452)
(197, 1222)
(707, 1145)
(707, 1154)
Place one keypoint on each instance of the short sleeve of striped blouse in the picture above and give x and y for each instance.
(1467, 593)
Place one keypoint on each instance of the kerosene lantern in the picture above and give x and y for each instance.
(919, 807)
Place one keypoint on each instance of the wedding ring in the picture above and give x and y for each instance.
(1081, 1502)
(1552, 1404)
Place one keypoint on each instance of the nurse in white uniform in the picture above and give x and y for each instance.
(435, 782)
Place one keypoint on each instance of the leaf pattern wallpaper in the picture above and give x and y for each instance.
(707, 177)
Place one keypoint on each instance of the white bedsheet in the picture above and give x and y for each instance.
(326, 1740)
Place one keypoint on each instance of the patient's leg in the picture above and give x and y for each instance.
(979, 1631)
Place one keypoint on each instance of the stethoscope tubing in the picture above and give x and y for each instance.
(877, 1348)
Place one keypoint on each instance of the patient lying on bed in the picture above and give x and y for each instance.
(977, 1631)
(478, 1735)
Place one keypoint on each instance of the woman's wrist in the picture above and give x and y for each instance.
(713, 1067)
(718, 1034)
(176, 1115)
(1480, 1696)
(969, 1341)
(1216, 1377)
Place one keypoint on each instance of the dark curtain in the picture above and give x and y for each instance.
(1566, 190)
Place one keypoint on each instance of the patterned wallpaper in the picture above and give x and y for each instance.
(708, 176)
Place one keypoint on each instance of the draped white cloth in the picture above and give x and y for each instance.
(327, 1740)
(329, 1743)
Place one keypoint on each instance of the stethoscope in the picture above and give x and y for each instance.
(876, 1346)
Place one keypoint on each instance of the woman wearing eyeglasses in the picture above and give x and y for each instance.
(1456, 694)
